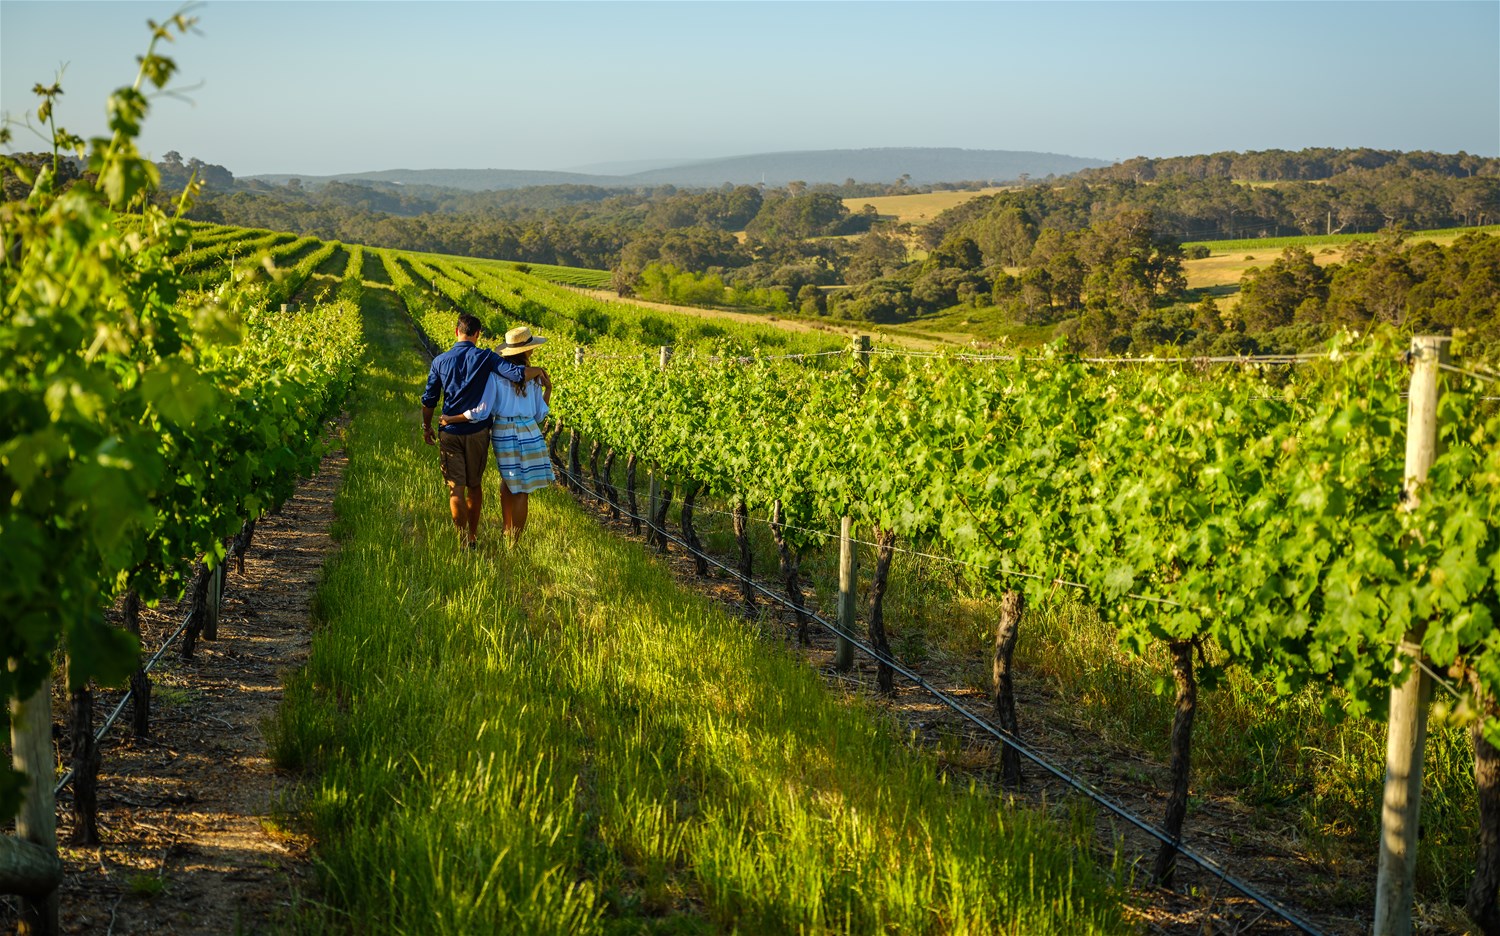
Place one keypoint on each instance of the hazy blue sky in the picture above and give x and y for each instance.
(326, 87)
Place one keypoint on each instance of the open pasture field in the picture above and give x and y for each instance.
(1228, 260)
(916, 209)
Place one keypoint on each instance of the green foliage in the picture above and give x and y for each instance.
(1257, 514)
(560, 740)
(143, 424)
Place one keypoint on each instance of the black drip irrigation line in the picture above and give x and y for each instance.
(1082, 786)
(99, 735)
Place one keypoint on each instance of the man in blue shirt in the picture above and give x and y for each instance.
(458, 375)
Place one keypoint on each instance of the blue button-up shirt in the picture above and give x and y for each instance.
(458, 375)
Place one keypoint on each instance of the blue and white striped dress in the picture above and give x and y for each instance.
(516, 435)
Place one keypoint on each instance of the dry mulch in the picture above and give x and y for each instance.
(187, 817)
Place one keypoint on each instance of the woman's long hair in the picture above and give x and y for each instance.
(524, 361)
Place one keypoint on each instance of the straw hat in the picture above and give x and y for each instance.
(519, 340)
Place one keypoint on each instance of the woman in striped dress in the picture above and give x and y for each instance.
(518, 410)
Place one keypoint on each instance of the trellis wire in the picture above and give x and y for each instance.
(912, 552)
(99, 735)
(1082, 786)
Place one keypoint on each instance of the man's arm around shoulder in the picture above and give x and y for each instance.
(515, 373)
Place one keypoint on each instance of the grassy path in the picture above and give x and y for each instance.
(558, 739)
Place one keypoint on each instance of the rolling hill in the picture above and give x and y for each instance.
(921, 166)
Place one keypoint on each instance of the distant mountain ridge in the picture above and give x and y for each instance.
(921, 166)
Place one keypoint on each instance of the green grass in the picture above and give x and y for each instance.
(1288, 766)
(558, 739)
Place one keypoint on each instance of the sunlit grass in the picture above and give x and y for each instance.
(1289, 767)
(557, 739)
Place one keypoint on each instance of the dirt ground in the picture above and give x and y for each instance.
(1255, 845)
(187, 816)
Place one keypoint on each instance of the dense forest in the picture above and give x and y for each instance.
(1096, 257)
(1100, 256)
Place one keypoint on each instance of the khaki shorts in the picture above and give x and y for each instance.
(463, 458)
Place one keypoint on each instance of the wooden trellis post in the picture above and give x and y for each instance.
(655, 535)
(848, 561)
(844, 658)
(1401, 808)
(36, 823)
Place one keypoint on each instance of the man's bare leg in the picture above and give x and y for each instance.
(475, 506)
(460, 510)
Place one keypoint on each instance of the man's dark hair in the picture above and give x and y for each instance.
(469, 325)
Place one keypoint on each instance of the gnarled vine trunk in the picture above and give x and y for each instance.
(1012, 604)
(885, 550)
(789, 572)
(553, 439)
(1182, 745)
(1483, 902)
(575, 470)
(85, 757)
(242, 541)
(690, 535)
(594, 471)
(611, 494)
(197, 603)
(140, 683)
(742, 540)
(635, 511)
(659, 522)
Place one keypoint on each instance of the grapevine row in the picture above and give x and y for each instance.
(1245, 521)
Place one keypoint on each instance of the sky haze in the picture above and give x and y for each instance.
(331, 87)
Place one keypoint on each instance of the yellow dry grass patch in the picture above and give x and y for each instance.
(1226, 267)
(916, 209)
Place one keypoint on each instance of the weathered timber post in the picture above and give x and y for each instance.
(214, 601)
(36, 823)
(655, 536)
(1401, 807)
(843, 660)
(27, 868)
(575, 480)
(1012, 604)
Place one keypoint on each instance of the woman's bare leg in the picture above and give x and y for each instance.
(508, 508)
(517, 516)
